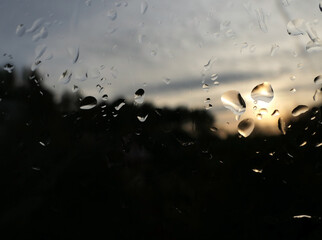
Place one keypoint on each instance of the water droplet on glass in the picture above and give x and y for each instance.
(99, 88)
(214, 77)
(243, 46)
(65, 77)
(209, 106)
(120, 105)
(314, 45)
(318, 79)
(261, 18)
(299, 66)
(205, 87)
(257, 170)
(144, 7)
(167, 80)
(259, 116)
(274, 49)
(296, 27)
(316, 94)
(293, 78)
(252, 48)
(8, 68)
(263, 92)
(20, 31)
(320, 6)
(142, 118)
(36, 25)
(88, 102)
(292, 90)
(233, 101)
(35, 65)
(88, 3)
(303, 144)
(318, 144)
(302, 216)
(139, 96)
(263, 111)
(208, 65)
(43, 33)
(40, 50)
(207, 100)
(300, 109)
(75, 88)
(255, 107)
(105, 97)
(282, 125)
(246, 127)
(275, 113)
(112, 14)
(74, 53)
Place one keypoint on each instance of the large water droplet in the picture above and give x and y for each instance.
(296, 27)
(318, 79)
(144, 7)
(139, 96)
(246, 127)
(65, 77)
(74, 53)
(233, 101)
(282, 125)
(112, 14)
(300, 109)
(263, 92)
(88, 103)
(20, 31)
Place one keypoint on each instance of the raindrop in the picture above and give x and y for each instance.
(302, 216)
(8, 67)
(292, 90)
(318, 79)
(35, 65)
(299, 66)
(259, 116)
(75, 88)
(252, 48)
(282, 125)
(167, 80)
(214, 77)
(261, 19)
(144, 7)
(257, 170)
(233, 101)
(120, 105)
(74, 53)
(320, 6)
(303, 144)
(216, 83)
(274, 49)
(139, 96)
(300, 109)
(99, 88)
(36, 25)
(112, 14)
(243, 46)
(275, 113)
(263, 92)
(293, 78)
(40, 50)
(209, 106)
(88, 3)
(208, 65)
(43, 33)
(65, 77)
(105, 97)
(207, 100)
(88, 102)
(20, 31)
(246, 127)
(296, 27)
(142, 118)
(318, 144)
(205, 87)
(254, 108)
(263, 111)
(314, 45)
(316, 94)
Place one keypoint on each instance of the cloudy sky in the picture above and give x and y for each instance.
(169, 48)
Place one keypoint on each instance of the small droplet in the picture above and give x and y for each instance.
(36, 25)
(205, 87)
(120, 105)
(292, 90)
(282, 125)
(263, 111)
(233, 101)
(35, 65)
(274, 49)
(320, 6)
(316, 94)
(40, 50)
(261, 18)
(65, 77)
(302, 216)
(318, 144)
(275, 113)
(263, 92)
(209, 106)
(8, 68)
(243, 46)
(259, 116)
(252, 48)
(300, 109)
(112, 14)
(246, 127)
(314, 45)
(207, 100)
(99, 88)
(296, 27)
(74, 53)
(293, 78)
(318, 79)
(255, 108)
(303, 144)
(20, 31)
(139, 96)
(214, 77)
(75, 88)
(144, 7)
(105, 97)
(167, 80)
(299, 66)
(257, 170)
(88, 102)
(43, 33)
(142, 118)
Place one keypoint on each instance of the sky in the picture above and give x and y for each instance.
(170, 49)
